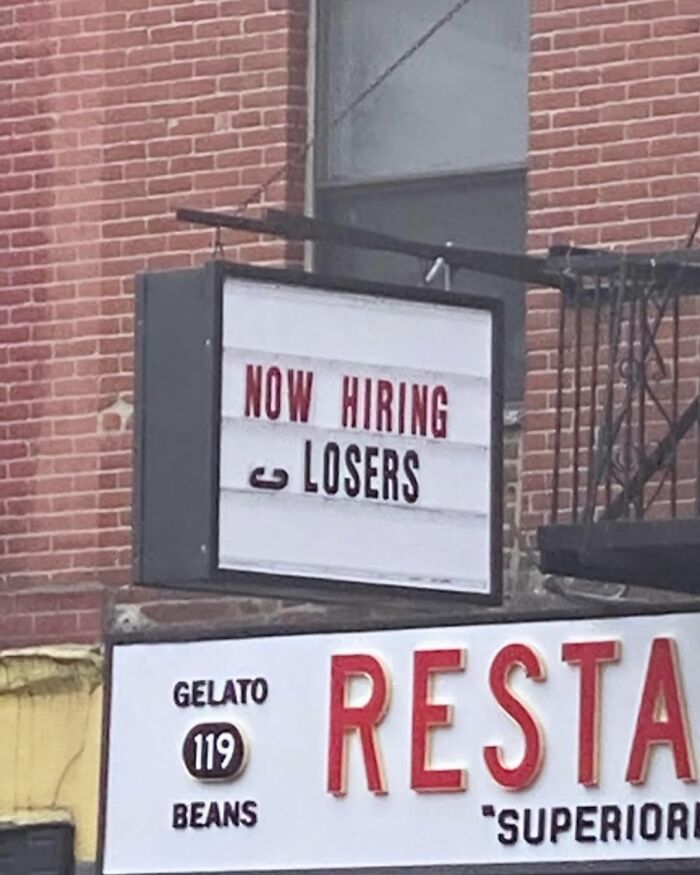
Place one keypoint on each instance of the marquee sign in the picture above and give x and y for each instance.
(349, 436)
(512, 743)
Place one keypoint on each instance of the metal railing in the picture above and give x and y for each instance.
(626, 408)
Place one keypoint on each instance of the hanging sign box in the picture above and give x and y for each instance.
(305, 437)
(530, 744)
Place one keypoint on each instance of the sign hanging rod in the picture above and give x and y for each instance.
(523, 268)
(555, 271)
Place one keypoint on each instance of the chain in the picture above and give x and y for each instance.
(218, 248)
(693, 233)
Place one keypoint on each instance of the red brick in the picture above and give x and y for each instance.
(90, 624)
(601, 95)
(55, 626)
(676, 105)
(643, 9)
(577, 118)
(676, 26)
(651, 128)
(600, 134)
(674, 146)
(15, 629)
(626, 151)
(623, 112)
(626, 33)
(184, 102)
(172, 34)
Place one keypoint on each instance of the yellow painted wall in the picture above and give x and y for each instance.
(50, 734)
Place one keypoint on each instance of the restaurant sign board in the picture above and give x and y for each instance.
(508, 743)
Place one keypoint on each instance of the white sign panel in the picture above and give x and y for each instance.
(356, 438)
(493, 744)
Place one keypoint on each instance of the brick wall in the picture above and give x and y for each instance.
(614, 162)
(112, 113)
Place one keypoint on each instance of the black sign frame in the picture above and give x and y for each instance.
(177, 426)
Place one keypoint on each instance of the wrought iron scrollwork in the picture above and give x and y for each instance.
(625, 446)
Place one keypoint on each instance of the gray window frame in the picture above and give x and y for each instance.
(322, 191)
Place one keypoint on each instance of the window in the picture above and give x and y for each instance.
(438, 151)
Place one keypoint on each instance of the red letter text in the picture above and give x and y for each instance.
(518, 777)
(299, 385)
(345, 719)
(428, 715)
(661, 718)
(253, 389)
(590, 656)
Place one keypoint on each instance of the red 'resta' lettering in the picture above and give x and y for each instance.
(662, 716)
(345, 719)
(428, 715)
(299, 385)
(590, 656)
(509, 658)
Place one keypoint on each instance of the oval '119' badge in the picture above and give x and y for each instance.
(215, 751)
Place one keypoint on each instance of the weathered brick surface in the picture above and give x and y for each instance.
(614, 160)
(112, 113)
